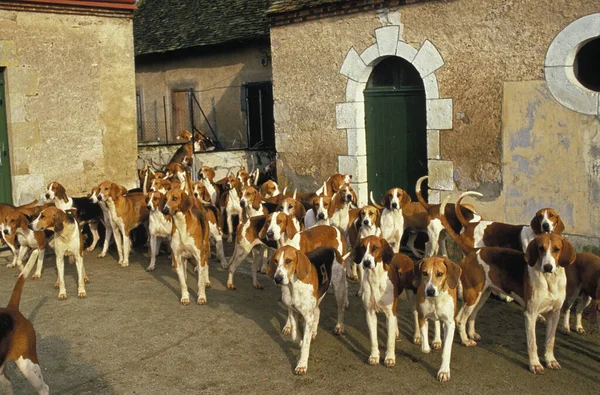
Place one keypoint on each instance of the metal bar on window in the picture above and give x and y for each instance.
(260, 114)
(165, 111)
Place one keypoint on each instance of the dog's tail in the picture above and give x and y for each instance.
(419, 195)
(466, 248)
(377, 206)
(461, 218)
(15, 297)
(28, 205)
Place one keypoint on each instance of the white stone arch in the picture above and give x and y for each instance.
(559, 66)
(350, 115)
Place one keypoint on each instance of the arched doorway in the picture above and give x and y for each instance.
(395, 121)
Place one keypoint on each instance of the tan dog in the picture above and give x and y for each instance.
(127, 211)
(17, 339)
(304, 280)
(536, 280)
(16, 225)
(68, 241)
(583, 281)
(189, 240)
(438, 279)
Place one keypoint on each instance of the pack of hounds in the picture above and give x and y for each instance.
(307, 242)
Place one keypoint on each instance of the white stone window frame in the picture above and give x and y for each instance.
(350, 115)
(560, 59)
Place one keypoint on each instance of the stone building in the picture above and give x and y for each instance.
(205, 65)
(494, 96)
(67, 96)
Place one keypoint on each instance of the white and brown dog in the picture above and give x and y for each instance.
(438, 279)
(583, 282)
(206, 175)
(16, 225)
(304, 280)
(160, 225)
(385, 276)
(536, 280)
(295, 210)
(229, 203)
(108, 228)
(392, 220)
(17, 339)
(189, 240)
(68, 241)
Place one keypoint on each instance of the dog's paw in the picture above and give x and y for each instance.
(10, 265)
(475, 336)
(536, 369)
(540, 319)
(207, 285)
(201, 301)
(443, 376)
(565, 330)
(258, 286)
(231, 286)
(389, 362)
(300, 370)
(62, 296)
(185, 301)
(373, 360)
(86, 280)
(338, 330)
(90, 249)
(102, 255)
(229, 239)
(425, 350)
(81, 294)
(150, 268)
(553, 364)
(36, 276)
(436, 344)
(286, 330)
(470, 343)
(580, 330)
(417, 340)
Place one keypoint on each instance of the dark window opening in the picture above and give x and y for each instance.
(587, 65)
(180, 115)
(260, 123)
(396, 73)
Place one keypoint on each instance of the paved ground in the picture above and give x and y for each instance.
(131, 335)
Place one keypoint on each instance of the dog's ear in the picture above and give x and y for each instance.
(256, 200)
(114, 191)
(567, 255)
(387, 253)
(385, 201)
(405, 199)
(452, 273)
(314, 201)
(186, 202)
(303, 265)
(27, 217)
(417, 274)
(272, 267)
(61, 192)
(290, 229)
(358, 252)
(58, 218)
(532, 254)
(263, 231)
(560, 226)
(300, 211)
(335, 202)
(536, 226)
(354, 198)
(378, 217)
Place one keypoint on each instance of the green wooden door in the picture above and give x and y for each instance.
(5, 187)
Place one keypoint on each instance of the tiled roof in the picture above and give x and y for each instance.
(279, 6)
(165, 25)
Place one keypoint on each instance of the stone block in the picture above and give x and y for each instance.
(355, 166)
(362, 192)
(439, 114)
(431, 87)
(387, 38)
(357, 142)
(428, 59)
(441, 174)
(405, 51)
(350, 115)
(569, 92)
(353, 66)
(370, 54)
(8, 53)
(354, 91)
(24, 79)
(25, 134)
(563, 48)
(433, 144)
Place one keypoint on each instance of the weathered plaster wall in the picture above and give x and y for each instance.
(70, 89)
(484, 45)
(217, 77)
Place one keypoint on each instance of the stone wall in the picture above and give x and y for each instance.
(217, 78)
(70, 88)
(493, 55)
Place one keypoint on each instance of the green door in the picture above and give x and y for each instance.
(5, 188)
(395, 120)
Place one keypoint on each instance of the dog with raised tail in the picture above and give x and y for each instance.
(17, 339)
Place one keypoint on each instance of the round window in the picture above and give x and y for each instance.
(587, 65)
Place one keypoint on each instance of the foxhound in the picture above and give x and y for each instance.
(5, 209)
(536, 280)
(160, 225)
(108, 233)
(392, 220)
(385, 276)
(229, 203)
(269, 189)
(189, 240)
(16, 225)
(67, 241)
(304, 280)
(438, 279)
(206, 175)
(295, 210)
(367, 223)
(583, 281)
(17, 339)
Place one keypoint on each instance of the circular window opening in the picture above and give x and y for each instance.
(587, 65)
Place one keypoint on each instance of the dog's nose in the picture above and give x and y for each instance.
(47, 196)
(242, 203)
(270, 234)
(348, 197)
(430, 292)
(394, 205)
(5, 231)
(149, 207)
(278, 279)
(321, 216)
(546, 227)
(367, 263)
(547, 268)
(366, 222)
(165, 211)
(99, 197)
